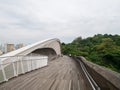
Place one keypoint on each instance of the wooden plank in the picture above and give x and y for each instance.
(61, 74)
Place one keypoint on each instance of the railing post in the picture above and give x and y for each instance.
(21, 61)
(3, 71)
(13, 60)
(37, 63)
(34, 62)
(17, 63)
(31, 64)
(28, 65)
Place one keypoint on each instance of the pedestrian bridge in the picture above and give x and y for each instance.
(28, 58)
(41, 66)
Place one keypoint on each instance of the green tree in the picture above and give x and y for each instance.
(101, 49)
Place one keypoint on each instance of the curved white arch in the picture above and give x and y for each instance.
(49, 43)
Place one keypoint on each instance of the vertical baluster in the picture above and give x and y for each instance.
(16, 65)
(31, 63)
(21, 61)
(18, 60)
(35, 62)
(13, 63)
(28, 66)
(3, 71)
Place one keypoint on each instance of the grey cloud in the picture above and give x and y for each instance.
(33, 20)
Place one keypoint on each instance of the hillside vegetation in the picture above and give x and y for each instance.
(100, 49)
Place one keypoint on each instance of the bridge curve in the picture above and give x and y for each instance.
(52, 46)
(62, 73)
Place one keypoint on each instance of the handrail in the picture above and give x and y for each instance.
(88, 76)
(15, 65)
(21, 55)
(105, 75)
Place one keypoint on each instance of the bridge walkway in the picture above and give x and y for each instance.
(62, 73)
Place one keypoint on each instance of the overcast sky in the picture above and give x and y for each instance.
(29, 21)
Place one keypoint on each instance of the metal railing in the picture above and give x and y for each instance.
(13, 66)
(92, 82)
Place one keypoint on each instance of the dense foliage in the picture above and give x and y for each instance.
(100, 49)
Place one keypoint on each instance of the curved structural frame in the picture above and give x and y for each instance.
(49, 43)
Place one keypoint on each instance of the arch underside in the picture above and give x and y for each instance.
(45, 52)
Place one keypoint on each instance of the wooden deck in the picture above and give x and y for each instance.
(62, 73)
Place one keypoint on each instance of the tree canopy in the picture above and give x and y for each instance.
(100, 49)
